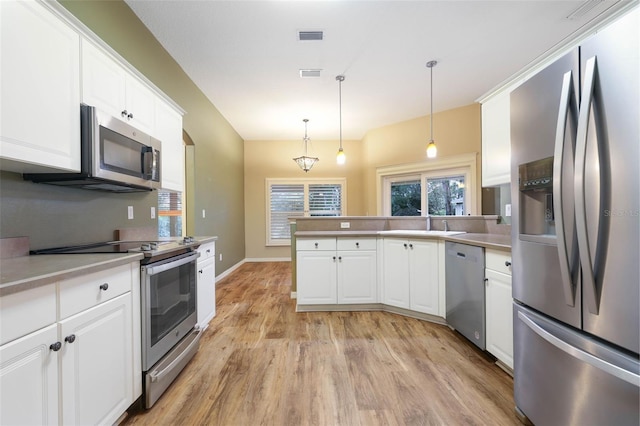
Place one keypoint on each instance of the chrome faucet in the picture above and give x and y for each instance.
(428, 222)
(446, 225)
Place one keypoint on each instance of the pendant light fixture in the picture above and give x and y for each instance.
(432, 151)
(305, 162)
(340, 158)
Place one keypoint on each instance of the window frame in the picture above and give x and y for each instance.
(458, 165)
(305, 182)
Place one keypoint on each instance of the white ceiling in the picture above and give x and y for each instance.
(245, 56)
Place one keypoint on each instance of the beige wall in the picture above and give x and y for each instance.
(218, 178)
(456, 131)
(274, 159)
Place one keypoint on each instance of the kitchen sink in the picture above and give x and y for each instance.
(420, 233)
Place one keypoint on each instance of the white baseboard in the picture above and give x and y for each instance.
(267, 259)
(230, 270)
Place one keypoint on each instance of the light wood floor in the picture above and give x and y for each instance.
(261, 363)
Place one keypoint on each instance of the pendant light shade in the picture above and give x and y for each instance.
(432, 150)
(340, 158)
(305, 162)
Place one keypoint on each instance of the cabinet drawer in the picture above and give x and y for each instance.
(26, 311)
(319, 244)
(207, 251)
(356, 243)
(80, 293)
(498, 261)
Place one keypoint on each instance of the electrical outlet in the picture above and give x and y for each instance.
(130, 212)
(153, 212)
(204, 213)
(507, 210)
(345, 225)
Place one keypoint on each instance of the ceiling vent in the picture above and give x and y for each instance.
(310, 35)
(310, 73)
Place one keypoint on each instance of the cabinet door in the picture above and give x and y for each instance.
(496, 140)
(316, 276)
(357, 277)
(499, 316)
(395, 280)
(169, 132)
(140, 103)
(423, 276)
(206, 293)
(103, 81)
(29, 379)
(40, 80)
(96, 367)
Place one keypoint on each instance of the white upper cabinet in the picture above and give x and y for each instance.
(40, 80)
(169, 132)
(107, 85)
(496, 140)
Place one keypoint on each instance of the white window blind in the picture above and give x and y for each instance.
(325, 200)
(300, 198)
(286, 200)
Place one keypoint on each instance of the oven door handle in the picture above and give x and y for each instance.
(153, 270)
(158, 375)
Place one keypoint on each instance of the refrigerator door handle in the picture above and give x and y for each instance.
(567, 106)
(584, 245)
(614, 370)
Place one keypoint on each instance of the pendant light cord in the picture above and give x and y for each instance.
(340, 79)
(431, 114)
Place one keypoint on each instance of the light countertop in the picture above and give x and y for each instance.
(25, 272)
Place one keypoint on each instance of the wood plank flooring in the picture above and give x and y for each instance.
(261, 363)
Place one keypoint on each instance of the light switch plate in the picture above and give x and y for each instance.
(153, 212)
(507, 210)
(130, 212)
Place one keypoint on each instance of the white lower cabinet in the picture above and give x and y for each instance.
(317, 279)
(96, 369)
(336, 271)
(499, 306)
(83, 366)
(411, 275)
(29, 379)
(206, 292)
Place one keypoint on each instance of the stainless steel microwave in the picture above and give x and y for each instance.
(115, 157)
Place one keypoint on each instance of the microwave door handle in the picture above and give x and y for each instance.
(146, 158)
(567, 106)
(584, 244)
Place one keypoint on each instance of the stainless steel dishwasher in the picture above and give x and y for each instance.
(465, 291)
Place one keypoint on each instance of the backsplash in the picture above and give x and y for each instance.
(53, 216)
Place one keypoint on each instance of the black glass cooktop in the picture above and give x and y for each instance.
(106, 247)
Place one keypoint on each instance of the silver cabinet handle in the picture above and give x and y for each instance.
(584, 244)
(568, 110)
(579, 354)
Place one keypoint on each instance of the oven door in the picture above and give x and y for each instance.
(168, 305)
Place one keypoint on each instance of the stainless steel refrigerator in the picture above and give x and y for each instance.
(575, 173)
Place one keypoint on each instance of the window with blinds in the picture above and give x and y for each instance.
(300, 198)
